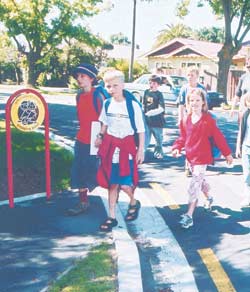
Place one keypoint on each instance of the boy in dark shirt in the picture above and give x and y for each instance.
(154, 109)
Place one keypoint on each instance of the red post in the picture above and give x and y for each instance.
(9, 148)
(9, 156)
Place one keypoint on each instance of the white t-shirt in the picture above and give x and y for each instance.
(118, 122)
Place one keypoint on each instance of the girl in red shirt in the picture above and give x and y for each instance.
(196, 132)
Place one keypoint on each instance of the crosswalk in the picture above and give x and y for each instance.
(169, 266)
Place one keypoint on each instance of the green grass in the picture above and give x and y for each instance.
(28, 151)
(95, 273)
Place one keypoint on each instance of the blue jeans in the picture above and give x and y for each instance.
(158, 136)
(84, 167)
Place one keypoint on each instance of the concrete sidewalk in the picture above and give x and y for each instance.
(38, 242)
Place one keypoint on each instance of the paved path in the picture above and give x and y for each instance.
(167, 257)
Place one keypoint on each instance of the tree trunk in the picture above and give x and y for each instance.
(225, 59)
(33, 73)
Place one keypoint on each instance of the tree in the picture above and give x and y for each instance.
(119, 38)
(39, 27)
(9, 60)
(173, 31)
(233, 11)
(211, 34)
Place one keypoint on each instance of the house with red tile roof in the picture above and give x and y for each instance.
(175, 56)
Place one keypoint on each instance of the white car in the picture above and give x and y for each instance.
(170, 88)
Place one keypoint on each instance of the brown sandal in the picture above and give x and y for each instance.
(108, 224)
(133, 211)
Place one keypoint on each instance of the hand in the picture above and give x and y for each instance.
(237, 152)
(229, 159)
(98, 142)
(140, 156)
(176, 153)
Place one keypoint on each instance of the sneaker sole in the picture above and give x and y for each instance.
(187, 226)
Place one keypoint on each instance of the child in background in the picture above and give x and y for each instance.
(243, 148)
(117, 149)
(154, 109)
(193, 77)
(196, 132)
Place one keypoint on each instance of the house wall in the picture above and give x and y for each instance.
(208, 68)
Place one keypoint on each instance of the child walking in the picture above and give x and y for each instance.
(154, 109)
(117, 149)
(243, 149)
(196, 132)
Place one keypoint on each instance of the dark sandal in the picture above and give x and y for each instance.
(108, 224)
(133, 211)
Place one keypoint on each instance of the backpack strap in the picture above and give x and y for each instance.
(107, 104)
(98, 97)
(129, 103)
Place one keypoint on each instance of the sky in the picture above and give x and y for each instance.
(151, 18)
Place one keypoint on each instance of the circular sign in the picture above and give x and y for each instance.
(27, 112)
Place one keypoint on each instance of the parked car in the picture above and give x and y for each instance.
(215, 99)
(170, 88)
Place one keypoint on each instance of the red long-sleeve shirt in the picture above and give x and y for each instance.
(195, 138)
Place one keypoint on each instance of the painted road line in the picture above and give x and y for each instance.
(171, 203)
(128, 262)
(169, 265)
(216, 271)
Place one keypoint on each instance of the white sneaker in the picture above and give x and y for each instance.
(186, 221)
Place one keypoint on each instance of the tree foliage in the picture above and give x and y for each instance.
(173, 31)
(237, 13)
(211, 34)
(40, 27)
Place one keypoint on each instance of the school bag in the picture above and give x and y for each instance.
(99, 95)
(216, 153)
(129, 102)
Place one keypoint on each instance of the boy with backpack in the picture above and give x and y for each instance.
(121, 117)
(88, 103)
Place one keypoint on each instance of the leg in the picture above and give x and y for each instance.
(205, 188)
(195, 186)
(148, 134)
(158, 135)
(83, 167)
(194, 190)
(134, 205)
(111, 221)
(245, 201)
(113, 195)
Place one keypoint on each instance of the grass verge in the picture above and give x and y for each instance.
(28, 151)
(95, 273)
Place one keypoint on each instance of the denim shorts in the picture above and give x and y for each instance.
(84, 167)
(115, 177)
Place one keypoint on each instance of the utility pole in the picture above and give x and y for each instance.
(131, 65)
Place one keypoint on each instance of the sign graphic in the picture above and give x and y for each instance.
(27, 112)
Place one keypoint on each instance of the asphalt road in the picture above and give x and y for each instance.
(217, 247)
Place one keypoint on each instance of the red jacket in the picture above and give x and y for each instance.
(106, 151)
(195, 138)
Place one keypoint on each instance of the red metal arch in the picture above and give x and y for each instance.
(9, 146)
